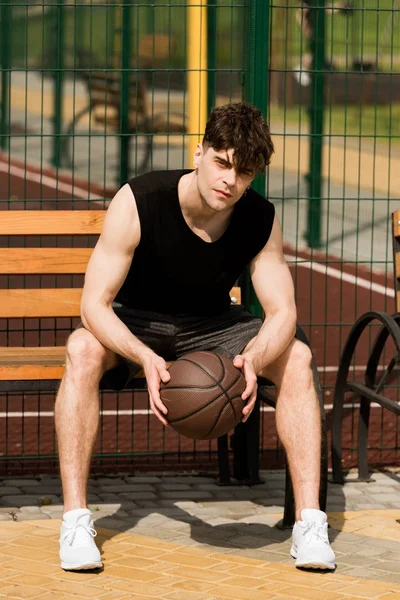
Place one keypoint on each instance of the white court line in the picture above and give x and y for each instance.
(336, 274)
(49, 182)
(354, 368)
(114, 413)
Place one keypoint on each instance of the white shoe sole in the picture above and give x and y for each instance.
(82, 566)
(312, 564)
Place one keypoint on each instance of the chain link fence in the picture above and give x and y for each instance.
(93, 93)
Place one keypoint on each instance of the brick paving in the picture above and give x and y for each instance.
(186, 538)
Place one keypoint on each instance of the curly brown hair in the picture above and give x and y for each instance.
(242, 127)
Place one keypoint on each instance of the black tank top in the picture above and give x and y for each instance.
(173, 270)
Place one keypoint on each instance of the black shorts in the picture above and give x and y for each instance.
(172, 336)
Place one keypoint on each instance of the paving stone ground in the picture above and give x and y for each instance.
(186, 538)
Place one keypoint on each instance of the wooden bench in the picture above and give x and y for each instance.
(27, 365)
(370, 388)
(103, 86)
(40, 368)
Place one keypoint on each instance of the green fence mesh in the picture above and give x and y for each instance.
(93, 93)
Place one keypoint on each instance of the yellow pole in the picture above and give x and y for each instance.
(197, 74)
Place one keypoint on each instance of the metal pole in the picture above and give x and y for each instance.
(126, 54)
(197, 74)
(256, 92)
(316, 112)
(58, 84)
(212, 54)
(5, 64)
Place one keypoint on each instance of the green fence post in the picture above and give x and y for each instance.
(256, 92)
(58, 84)
(211, 54)
(5, 64)
(126, 54)
(316, 112)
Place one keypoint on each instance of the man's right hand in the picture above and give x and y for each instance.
(155, 370)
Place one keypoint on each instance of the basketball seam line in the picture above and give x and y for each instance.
(230, 401)
(226, 395)
(223, 392)
(218, 383)
(204, 369)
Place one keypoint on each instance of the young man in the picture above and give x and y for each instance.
(191, 233)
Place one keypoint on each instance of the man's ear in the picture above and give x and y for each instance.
(198, 153)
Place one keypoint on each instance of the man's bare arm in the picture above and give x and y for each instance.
(105, 274)
(274, 288)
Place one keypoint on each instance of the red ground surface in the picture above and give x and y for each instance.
(327, 308)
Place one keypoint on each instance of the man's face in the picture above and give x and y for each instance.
(219, 183)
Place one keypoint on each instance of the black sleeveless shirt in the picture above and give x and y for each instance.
(173, 270)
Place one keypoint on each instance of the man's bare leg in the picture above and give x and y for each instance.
(299, 427)
(77, 412)
(298, 421)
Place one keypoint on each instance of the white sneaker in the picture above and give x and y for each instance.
(310, 542)
(78, 550)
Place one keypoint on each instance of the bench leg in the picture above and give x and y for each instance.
(143, 155)
(223, 461)
(148, 154)
(66, 154)
(246, 449)
(252, 432)
(238, 445)
(289, 511)
(363, 426)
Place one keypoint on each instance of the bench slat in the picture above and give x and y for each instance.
(51, 222)
(27, 303)
(28, 372)
(32, 363)
(16, 354)
(44, 260)
(396, 223)
(46, 362)
(61, 302)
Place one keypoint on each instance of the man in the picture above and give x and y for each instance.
(157, 286)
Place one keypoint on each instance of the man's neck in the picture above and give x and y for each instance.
(204, 221)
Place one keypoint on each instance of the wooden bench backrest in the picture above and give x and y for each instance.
(61, 302)
(105, 89)
(158, 46)
(44, 302)
(396, 256)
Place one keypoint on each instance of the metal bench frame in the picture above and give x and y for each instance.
(369, 390)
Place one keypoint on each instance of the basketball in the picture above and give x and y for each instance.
(203, 396)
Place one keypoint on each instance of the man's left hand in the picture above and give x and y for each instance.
(250, 393)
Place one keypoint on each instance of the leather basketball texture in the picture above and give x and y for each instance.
(203, 396)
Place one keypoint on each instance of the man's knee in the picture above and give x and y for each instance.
(298, 369)
(300, 356)
(85, 353)
(291, 367)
